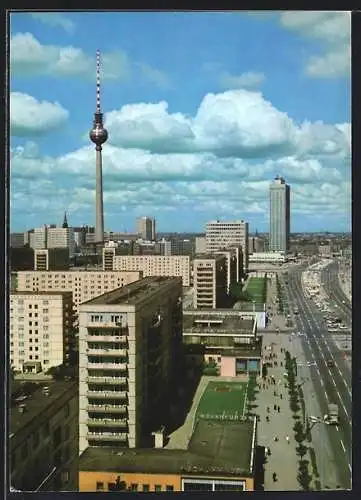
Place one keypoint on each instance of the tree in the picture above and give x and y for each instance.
(301, 450)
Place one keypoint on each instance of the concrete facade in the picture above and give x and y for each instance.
(209, 281)
(84, 285)
(280, 209)
(221, 235)
(51, 259)
(41, 329)
(128, 348)
(146, 228)
(156, 265)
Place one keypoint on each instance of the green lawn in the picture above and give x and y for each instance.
(223, 400)
(255, 289)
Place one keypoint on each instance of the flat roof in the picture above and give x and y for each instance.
(36, 402)
(222, 401)
(134, 292)
(226, 325)
(215, 447)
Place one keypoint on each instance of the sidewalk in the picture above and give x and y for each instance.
(283, 459)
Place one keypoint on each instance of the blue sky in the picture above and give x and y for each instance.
(202, 110)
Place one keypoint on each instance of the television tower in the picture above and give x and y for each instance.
(98, 134)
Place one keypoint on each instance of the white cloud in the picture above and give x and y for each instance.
(29, 117)
(250, 79)
(333, 30)
(54, 19)
(236, 123)
(29, 57)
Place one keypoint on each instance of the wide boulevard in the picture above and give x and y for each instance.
(332, 287)
(331, 384)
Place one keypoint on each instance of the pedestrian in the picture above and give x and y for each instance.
(275, 394)
(288, 439)
(278, 409)
(281, 396)
(275, 407)
(267, 418)
(268, 410)
(275, 439)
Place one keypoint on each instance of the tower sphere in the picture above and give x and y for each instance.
(98, 135)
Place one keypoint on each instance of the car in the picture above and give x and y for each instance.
(330, 363)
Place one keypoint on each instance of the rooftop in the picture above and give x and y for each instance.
(31, 394)
(206, 256)
(215, 447)
(227, 325)
(135, 292)
(223, 401)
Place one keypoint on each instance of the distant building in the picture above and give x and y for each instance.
(200, 245)
(221, 235)
(84, 285)
(129, 348)
(156, 265)
(280, 217)
(220, 457)
(43, 440)
(325, 249)
(53, 237)
(51, 259)
(209, 281)
(146, 228)
(41, 330)
(17, 240)
(269, 257)
(256, 244)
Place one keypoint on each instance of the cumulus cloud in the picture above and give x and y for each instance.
(29, 117)
(29, 57)
(250, 79)
(54, 19)
(236, 123)
(333, 31)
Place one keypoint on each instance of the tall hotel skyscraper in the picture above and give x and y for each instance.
(279, 215)
(98, 135)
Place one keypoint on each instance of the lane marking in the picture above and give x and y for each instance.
(343, 446)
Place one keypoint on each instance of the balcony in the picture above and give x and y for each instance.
(107, 436)
(107, 422)
(107, 380)
(107, 394)
(104, 408)
(107, 352)
(108, 366)
(107, 338)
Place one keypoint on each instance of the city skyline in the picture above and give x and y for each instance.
(199, 137)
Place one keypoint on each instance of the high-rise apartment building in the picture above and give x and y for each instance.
(221, 235)
(233, 265)
(129, 341)
(84, 285)
(53, 237)
(210, 281)
(51, 259)
(146, 228)
(156, 265)
(200, 245)
(41, 330)
(279, 215)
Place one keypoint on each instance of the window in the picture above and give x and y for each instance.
(134, 487)
(146, 487)
(157, 487)
(45, 311)
(169, 487)
(65, 476)
(100, 486)
(36, 306)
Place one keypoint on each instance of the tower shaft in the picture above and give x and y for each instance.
(99, 209)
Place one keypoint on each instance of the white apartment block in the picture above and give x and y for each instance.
(221, 235)
(156, 265)
(41, 330)
(209, 281)
(84, 285)
(128, 348)
(53, 237)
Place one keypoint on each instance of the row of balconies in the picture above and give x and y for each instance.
(107, 352)
(110, 380)
(107, 394)
(111, 422)
(105, 408)
(107, 338)
(107, 436)
(108, 366)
